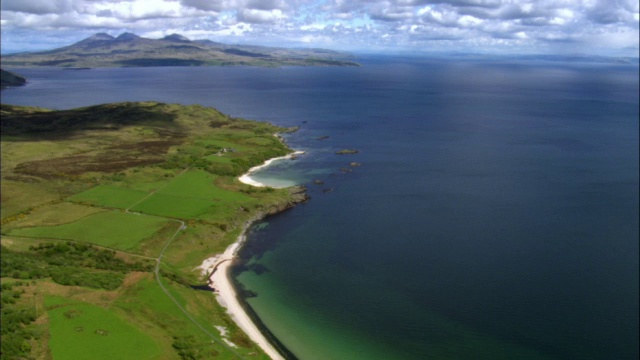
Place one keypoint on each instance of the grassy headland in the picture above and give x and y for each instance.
(8, 78)
(91, 197)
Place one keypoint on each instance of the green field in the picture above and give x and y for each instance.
(84, 331)
(110, 196)
(215, 158)
(146, 299)
(18, 197)
(114, 229)
(67, 178)
(174, 206)
(192, 195)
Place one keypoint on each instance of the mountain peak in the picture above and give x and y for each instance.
(127, 36)
(95, 40)
(175, 37)
(100, 36)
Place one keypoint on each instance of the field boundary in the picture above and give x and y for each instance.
(175, 301)
(156, 190)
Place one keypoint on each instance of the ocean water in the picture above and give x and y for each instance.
(493, 214)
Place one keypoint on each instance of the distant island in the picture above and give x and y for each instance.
(104, 50)
(8, 78)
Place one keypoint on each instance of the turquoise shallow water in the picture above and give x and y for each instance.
(494, 216)
(495, 213)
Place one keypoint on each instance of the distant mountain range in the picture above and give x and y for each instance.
(104, 50)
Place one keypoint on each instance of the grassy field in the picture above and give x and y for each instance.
(110, 196)
(114, 229)
(85, 331)
(146, 303)
(20, 196)
(58, 213)
(67, 179)
(174, 206)
(200, 184)
(52, 214)
(192, 195)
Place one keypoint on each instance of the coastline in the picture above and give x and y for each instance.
(217, 270)
(246, 177)
(227, 297)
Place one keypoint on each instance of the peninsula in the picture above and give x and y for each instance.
(104, 50)
(107, 213)
(8, 78)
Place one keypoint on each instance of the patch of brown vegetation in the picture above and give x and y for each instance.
(97, 297)
(147, 147)
(80, 164)
(24, 179)
(51, 288)
(132, 278)
(113, 159)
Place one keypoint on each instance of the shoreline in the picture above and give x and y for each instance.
(217, 269)
(246, 177)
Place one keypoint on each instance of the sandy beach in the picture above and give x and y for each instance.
(246, 178)
(217, 268)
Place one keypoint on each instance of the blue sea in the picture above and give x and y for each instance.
(490, 213)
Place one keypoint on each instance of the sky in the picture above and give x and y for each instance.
(567, 27)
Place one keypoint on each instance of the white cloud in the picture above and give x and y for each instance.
(314, 26)
(234, 30)
(140, 9)
(40, 7)
(620, 38)
(260, 16)
(597, 26)
(210, 5)
(469, 21)
(266, 4)
(310, 39)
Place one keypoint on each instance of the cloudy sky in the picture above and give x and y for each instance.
(602, 27)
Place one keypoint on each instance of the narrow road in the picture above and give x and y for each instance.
(166, 291)
(159, 279)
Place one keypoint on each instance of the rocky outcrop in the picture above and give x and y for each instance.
(347, 152)
(298, 194)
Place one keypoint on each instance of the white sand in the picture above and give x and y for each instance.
(226, 295)
(217, 268)
(223, 334)
(246, 178)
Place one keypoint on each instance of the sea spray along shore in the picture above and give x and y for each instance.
(115, 183)
(217, 269)
(246, 178)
